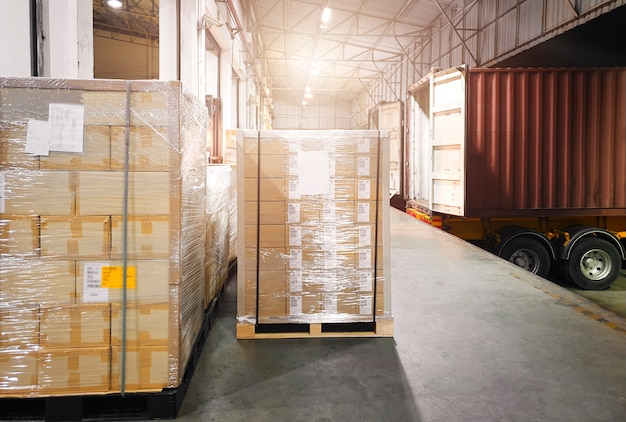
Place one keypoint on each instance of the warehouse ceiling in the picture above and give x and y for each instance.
(360, 42)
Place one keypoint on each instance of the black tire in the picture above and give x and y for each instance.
(529, 254)
(594, 264)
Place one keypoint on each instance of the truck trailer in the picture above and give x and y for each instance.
(527, 162)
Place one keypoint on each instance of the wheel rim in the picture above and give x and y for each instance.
(527, 259)
(595, 264)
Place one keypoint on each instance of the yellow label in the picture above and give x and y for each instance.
(112, 277)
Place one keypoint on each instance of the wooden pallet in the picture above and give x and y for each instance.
(381, 328)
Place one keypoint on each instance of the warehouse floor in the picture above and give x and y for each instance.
(476, 339)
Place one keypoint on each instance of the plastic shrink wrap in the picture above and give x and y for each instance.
(313, 227)
(65, 241)
(218, 259)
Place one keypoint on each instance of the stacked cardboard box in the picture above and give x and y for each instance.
(66, 243)
(313, 213)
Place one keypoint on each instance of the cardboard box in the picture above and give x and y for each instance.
(39, 192)
(34, 282)
(148, 236)
(75, 371)
(96, 153)
(270, 212)
(12, 144)
(84, 237)
(149, 148)
(269, 235)
(339, 306)
(76, 326)
(275, 259)
(272, 166)
(146, 368)
(273, 189)
(148, 108)
(304, 305)
(269, 146)
(19, 235)
(19, 376)
(151, 283)
(147, 324)
(99, 193)
(272, 295)
(19, 327)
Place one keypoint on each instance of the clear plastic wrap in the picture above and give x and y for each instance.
(218, 233)
(65, 241)
(313, 227)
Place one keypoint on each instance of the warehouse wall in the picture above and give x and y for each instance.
(122, 59)
(14, 41)
(317, 114)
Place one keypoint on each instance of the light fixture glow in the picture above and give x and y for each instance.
(326, 15)
(114, 3)
(314, 70)
(303, 103)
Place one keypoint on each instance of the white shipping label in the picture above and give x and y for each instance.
(364, 166)
(37, 137)
(295, 236)
(293, 165)
(364, 189)
(295, 258)
(314, 173)
(365, 280)
(295, 281)
(365, 258)
(67, 123)
(332, 166)
(328, 211)
(92, 292)
(295, 305)
(2, 192)
(331, 190)
(363, 145)
(363, 212)
(330, 304)
(365, 235)
(365, 305)
(293, 215)
(330, 235)
(293, 189)
(330, 258)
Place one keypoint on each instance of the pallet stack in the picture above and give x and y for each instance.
(63, 242)
(313, 230)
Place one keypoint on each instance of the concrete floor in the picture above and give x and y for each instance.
(476, 339)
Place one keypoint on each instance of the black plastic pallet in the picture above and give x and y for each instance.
(113, 407)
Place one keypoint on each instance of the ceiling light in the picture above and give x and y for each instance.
(114, 3)
(307, 92)
(314, 69)
(303, 103)
(326, 15)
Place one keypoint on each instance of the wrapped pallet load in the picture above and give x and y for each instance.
(313, 240)
(103, 224)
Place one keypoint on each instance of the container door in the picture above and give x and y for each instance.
(447, 120)
(390, 119)
(417, 160)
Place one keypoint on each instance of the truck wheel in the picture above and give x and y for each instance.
(594, 264)
(529, 254)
